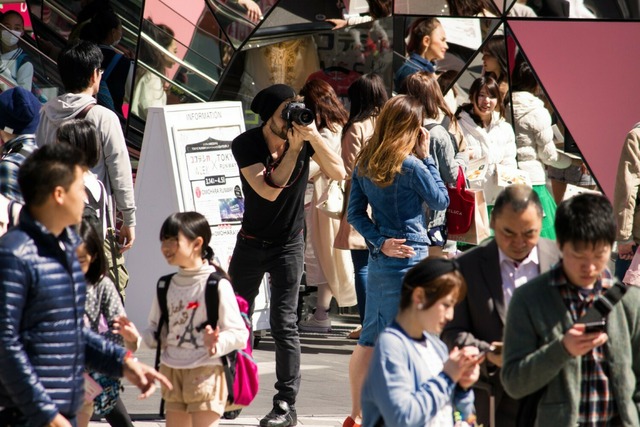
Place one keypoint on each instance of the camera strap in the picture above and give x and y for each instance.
(603, 305)
(271, 165)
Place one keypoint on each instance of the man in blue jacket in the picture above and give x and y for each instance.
(43, 344)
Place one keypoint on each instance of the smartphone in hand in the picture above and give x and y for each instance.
(597, 326)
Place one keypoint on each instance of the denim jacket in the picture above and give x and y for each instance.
(397, 210)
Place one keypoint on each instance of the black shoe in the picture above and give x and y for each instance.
(282, 415)
(231, 415)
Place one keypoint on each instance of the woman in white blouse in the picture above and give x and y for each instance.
(487, 133)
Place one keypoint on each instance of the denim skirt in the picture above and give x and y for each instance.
(384, 283)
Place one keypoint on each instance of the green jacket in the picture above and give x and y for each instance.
(534, 356)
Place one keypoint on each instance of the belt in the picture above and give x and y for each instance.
(262, 242)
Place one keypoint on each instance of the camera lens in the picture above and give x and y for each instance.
(305, 117)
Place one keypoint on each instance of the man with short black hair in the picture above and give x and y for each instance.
(79, 67)
(274, 170)
(493, 271)
(582, 378)
(43, 342)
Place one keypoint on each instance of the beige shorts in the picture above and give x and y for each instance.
(195, 389)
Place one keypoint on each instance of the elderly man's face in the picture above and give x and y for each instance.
(517, 233)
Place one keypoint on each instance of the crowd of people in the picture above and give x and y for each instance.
(493, 334)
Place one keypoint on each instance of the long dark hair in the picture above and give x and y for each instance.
(93, 244)
(163, 35)
(379, 8)
(471, 7)
(320, 98)
(523, 78)
(425, 87)
(367, 96)
(496, 47)
(192, 225)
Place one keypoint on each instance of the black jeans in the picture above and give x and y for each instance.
(119, 417)
(253, 258)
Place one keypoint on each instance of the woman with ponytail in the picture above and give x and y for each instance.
(192, 355)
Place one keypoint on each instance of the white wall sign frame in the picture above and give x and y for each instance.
(186, 164)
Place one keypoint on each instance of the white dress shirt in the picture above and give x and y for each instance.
(515, 274)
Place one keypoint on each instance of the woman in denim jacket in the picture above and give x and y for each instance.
(394, 175)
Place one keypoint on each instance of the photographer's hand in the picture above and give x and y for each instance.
(328, 160)
(309, 132)
(296, 139)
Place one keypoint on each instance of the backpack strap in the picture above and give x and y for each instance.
(446, 122)
(161, 293)
(212, 300)
(13, 215)
(83, 113)
(111, 66)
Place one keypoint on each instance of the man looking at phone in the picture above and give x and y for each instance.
(583, 378)
(492, 271)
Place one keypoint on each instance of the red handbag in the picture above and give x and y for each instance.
(460, 212)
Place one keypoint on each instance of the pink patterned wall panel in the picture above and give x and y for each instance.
(590, 70)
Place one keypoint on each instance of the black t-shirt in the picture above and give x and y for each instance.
(282, 219)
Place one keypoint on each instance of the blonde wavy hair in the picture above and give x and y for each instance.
(394, 138)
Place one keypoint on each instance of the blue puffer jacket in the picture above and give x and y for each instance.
(43, 342)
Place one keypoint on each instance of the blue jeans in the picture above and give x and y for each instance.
(360, 258)
(622, 265)
(384, 285)
(253, 258)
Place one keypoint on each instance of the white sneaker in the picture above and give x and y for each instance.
(311, 324)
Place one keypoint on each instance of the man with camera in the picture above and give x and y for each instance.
(572, 374)
(274, 168)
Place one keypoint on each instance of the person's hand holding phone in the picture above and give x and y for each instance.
(578, 342)
(421, 149)
(459, 363)
(494, 353)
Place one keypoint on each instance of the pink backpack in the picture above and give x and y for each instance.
(240, 368)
